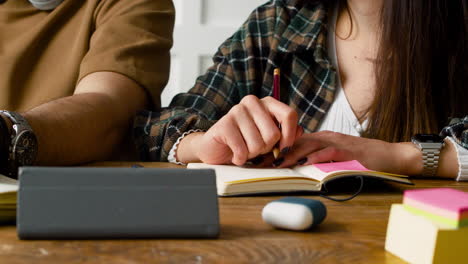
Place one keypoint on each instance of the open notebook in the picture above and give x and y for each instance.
(233, 180)
(8, 189)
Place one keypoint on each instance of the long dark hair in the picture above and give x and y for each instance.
(421, 70)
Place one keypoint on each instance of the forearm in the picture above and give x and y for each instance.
(77, 129)
(413, 163)
(91, 124)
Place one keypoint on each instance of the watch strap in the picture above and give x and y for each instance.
(16, 119)
(430, 146)
(430, 161)
(4, 144)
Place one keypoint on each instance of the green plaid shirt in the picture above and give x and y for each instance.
(288, 34)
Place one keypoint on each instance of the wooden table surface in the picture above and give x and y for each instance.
(353, 232)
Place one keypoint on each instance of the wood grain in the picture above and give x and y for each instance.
(353, 232)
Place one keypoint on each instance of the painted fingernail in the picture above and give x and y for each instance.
(257, 160)
(285, 150)
(302, 161)
(278, 162)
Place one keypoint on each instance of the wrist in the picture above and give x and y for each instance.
(411, 162)
(21, 149)
(188, 149)
(448, 162)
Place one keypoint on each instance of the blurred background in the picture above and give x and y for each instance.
(201, 26)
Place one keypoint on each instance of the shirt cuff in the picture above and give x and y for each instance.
(462, 156)
(172, 153)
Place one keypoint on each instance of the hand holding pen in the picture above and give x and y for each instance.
(249, 130)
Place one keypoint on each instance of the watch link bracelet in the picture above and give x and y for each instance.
(430, 146)
(23, 147)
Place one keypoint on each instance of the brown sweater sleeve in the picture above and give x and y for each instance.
(133, 38)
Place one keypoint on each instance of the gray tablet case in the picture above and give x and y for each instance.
(85, 203)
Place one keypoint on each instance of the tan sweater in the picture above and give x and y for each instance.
(44, 54)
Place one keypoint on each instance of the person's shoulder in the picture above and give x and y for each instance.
(287, 10)
(292, 6)
(141, 10)
(133, 2)
(105, 6)
(277, 6)
(272, 18)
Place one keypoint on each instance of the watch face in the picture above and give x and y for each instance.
(428, 138)
(25, 148)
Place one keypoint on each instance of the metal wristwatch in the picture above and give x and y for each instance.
(430, 146)
(23, 147)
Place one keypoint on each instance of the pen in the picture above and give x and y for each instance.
(276, 95)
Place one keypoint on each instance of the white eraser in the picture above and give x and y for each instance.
(294, 213)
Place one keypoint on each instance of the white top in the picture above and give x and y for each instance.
(341, 118)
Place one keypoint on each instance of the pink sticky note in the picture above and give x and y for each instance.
(353, 165)
(442, 201)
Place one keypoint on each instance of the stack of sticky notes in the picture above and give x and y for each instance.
(431, 226)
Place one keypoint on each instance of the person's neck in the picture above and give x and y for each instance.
(365, 15)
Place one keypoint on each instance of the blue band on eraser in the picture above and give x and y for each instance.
(318, 209)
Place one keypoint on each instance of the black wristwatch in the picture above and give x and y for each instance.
(23, 147)
(430, 146)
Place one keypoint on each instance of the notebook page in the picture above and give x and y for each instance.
(312, 172)
(229, 173)
(8, 184)
(320, 171)
(352, 165)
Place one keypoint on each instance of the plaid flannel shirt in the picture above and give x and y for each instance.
(288, 34)
(458, 130)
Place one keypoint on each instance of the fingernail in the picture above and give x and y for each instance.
(278, 162)
(257, 160)
(302, 161)
(285, 150)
